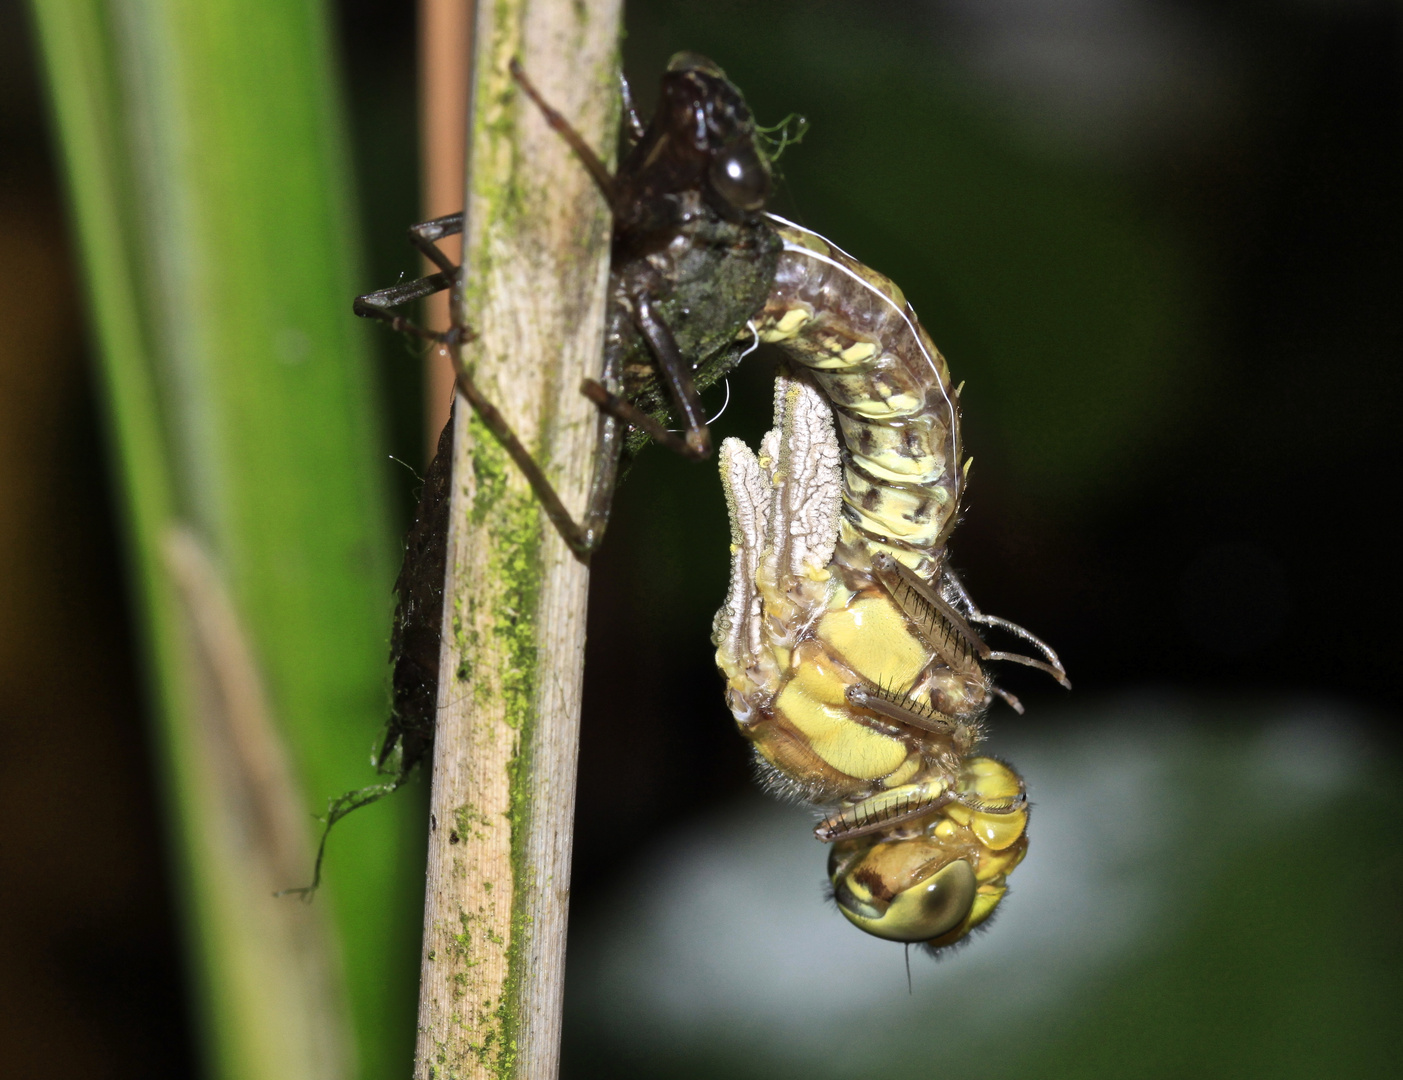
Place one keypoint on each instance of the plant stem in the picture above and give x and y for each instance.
(536, 258)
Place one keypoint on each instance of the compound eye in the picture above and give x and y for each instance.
(740, 177)
(933, 906)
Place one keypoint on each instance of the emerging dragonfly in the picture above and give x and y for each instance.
(859, 682)
(848, 644)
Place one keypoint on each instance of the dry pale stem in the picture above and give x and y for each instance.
(504, 757)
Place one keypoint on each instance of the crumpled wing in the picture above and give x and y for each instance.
(783, 506)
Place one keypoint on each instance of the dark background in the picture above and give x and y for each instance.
(1160, 242)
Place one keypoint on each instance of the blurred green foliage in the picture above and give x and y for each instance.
(208, 172)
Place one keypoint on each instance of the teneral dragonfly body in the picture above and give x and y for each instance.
(851, 661)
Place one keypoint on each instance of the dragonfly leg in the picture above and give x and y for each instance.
(1053, 664)
(881, 811)
(621, 409)
(1012, 701)
(588, 158)
(583, 536)
(381, 303)
(425, 235)
(677, 376)
(944, 629)
(997, 807)
(631, 118)
(945, 626)
(902, 708)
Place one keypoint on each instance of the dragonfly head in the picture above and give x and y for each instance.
(934, 879)
(710, 134)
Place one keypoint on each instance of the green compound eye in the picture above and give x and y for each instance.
(933, 906)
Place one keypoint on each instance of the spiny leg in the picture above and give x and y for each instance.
(988, 791)
(940, 623)
(880, 811)
(999, 808)
(901, 707)
(942, 627)
(1054, 664)
(883, 810)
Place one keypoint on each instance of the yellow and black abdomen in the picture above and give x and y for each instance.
(890, 389)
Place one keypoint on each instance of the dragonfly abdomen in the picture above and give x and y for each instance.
(890, 389)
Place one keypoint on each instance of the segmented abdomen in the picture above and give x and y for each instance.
(890, 388)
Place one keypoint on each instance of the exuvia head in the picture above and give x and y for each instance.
(707, 122)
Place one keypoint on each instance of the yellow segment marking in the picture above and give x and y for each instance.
(989, 780)
(787, 326)
(793, 318)
(998, 831)
(908, 769)
(896, 405)
(874, 639)
(807, 239)
(832, 735)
